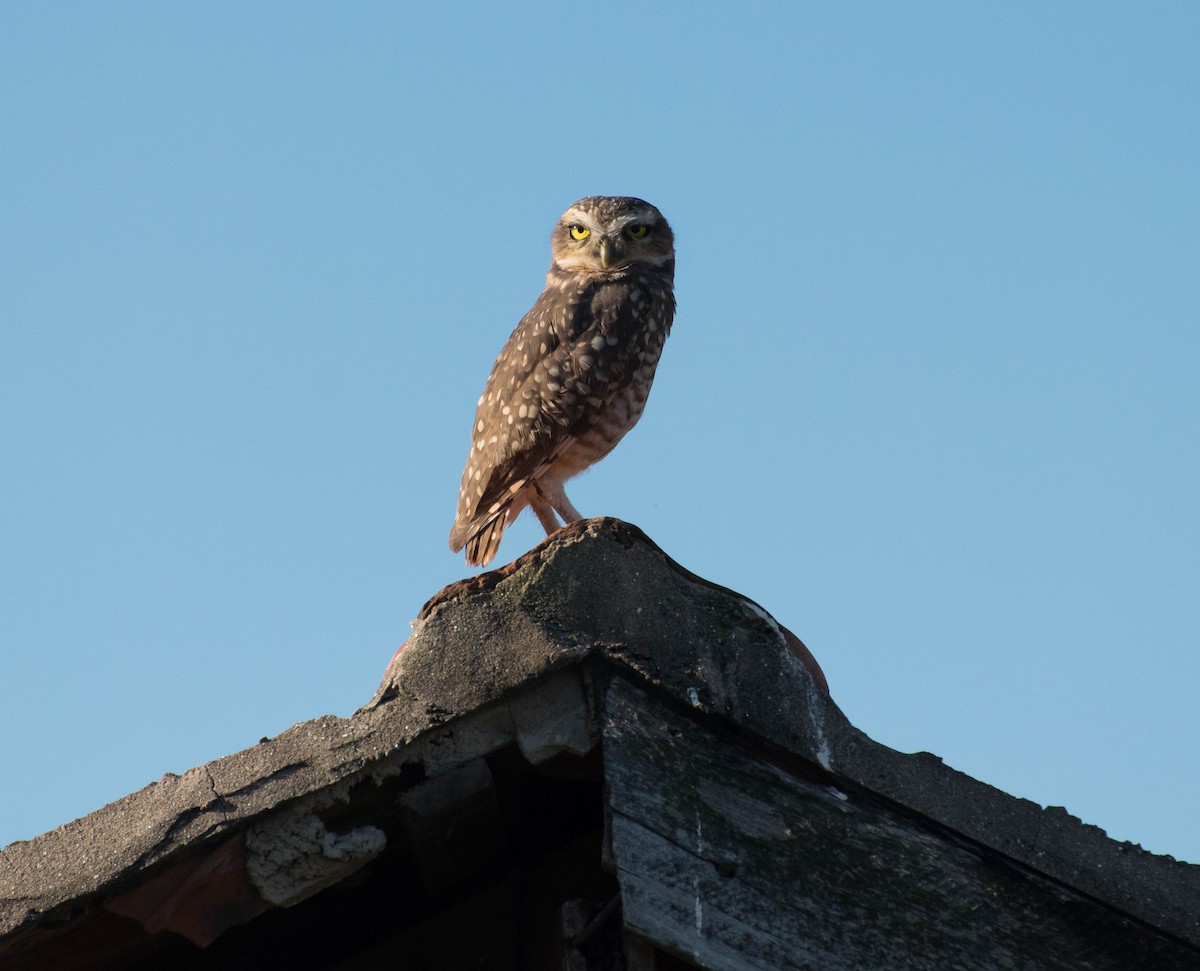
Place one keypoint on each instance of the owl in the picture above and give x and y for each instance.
(574, 375)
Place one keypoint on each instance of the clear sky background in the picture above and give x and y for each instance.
(931, 398)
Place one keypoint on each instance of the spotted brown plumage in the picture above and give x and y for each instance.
(574, 376)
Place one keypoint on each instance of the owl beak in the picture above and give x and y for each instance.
(606, 252)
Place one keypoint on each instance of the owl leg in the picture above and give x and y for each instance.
(553, 493)
(529, 495)
(544, 513)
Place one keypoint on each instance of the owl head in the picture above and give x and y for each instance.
(605, 235)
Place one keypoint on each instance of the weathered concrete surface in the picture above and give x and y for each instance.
(601, 590)
(262, 793)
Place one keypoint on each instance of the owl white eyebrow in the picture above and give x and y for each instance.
(578, 217)
(573, 217)
(644, 217)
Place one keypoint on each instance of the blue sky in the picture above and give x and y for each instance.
(931, 397)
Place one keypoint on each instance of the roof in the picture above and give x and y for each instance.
(593, 670)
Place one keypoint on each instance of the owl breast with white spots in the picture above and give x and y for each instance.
(574, 376)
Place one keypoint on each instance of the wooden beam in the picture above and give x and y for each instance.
(739, 864)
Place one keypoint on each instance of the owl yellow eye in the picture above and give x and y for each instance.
(636, 230)
(580, 232)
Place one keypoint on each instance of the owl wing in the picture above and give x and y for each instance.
(562, 363)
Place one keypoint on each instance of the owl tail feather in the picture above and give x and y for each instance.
(483, 545)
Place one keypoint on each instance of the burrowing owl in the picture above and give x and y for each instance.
(574, 376)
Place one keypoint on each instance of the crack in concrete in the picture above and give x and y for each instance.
(253, 786)
(216, 793)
